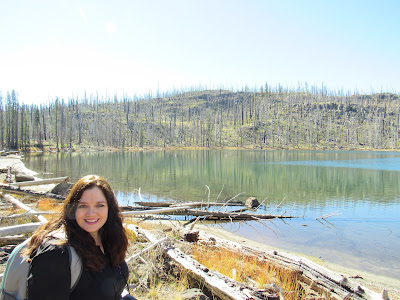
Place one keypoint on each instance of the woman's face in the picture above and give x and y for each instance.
(92, 211)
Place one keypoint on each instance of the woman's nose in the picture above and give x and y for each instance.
(91, 210)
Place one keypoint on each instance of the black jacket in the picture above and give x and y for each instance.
(50, 277)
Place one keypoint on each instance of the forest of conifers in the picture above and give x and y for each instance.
(267, 118)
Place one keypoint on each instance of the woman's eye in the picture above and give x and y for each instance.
(100, 205)
(81, 206)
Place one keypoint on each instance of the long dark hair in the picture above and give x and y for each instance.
(113, 237)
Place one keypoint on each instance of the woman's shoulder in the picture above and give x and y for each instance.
(52, 247)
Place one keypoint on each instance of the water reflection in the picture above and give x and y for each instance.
(386, 164)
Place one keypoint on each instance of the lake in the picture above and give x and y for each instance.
(361, 187)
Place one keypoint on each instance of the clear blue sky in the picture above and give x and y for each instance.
(62, 47)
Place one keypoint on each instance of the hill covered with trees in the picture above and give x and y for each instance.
(267, 118)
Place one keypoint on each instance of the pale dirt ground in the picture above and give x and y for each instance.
(372, 281)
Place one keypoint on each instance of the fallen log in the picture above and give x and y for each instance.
(40, 182)
(20, 229)
(24, 228)
(17, 190)
(316, 276)
(154, 204)
(30, 214)
(210, 215)
(12, 240)
(19, 204)
(221, 286)
(137, 255)
(191, 204)
(155, 211)
(218, 215)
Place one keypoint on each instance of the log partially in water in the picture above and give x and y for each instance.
(191, 204)
(156, 211)
(233, 216)
(187, 210)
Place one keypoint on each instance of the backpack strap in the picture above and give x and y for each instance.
(74, 259)
(75, 265)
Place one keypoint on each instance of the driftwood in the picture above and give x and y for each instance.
(154, 204)
(24, 228)
(20, 229)
(23, 206)
(30, 214)
(17, 190)
(155, 211)
(187, 210)
(12, 240)
(314, 275)
(40, 182)
(221, 286)
(192, 204)
(238, 215)
(137, 255)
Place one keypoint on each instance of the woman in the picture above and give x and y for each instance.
(93, 226)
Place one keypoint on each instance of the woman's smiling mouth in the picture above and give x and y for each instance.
(91, 221)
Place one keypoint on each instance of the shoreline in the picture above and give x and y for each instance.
(14, 162)
(369, 280)
(375, 282)
(53, 149)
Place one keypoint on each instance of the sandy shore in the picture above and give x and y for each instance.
(374, 282)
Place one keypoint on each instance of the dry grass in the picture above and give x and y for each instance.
(243, 268)
(48, 204)
(131, 235)
(51, 205)
(250, 270)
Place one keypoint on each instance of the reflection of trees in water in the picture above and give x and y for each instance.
(184, 174)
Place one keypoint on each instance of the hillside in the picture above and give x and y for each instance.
(262, 119)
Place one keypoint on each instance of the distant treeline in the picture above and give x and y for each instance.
(267, 118)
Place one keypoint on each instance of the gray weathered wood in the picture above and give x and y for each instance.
(8, 240)
(222, 286)
(23, 206)
(40, 182)
(20, 229)
(218, 215)
(310, 272)
(155, 211)
(191, 204)
(17, 190)
(137, 255)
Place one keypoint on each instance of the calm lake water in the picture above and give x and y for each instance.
(364, 187)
